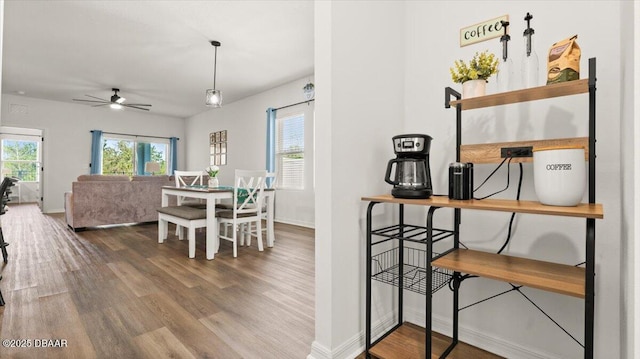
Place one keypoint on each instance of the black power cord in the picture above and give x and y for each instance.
(455, 281)
(492, 173)
(513, 215)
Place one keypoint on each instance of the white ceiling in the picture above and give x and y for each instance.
(155, 52)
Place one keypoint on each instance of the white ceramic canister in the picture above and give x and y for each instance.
(559, 175)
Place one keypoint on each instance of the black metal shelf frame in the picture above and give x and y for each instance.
(590, 222)
(408, 268)
(428, 235)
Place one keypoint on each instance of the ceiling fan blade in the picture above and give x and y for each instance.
(136, 104)
(97, 98)
(136, 107)
(103, 104)
(76, 99)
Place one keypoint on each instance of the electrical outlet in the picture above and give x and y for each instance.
(526, 151)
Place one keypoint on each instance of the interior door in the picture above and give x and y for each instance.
(21, 157)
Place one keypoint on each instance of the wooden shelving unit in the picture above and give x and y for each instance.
(552, 277)
(408, 341)
(583, 210)
(526, 95)
(491, 152)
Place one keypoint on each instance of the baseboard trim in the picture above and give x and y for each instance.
(296, 223)
(353, 346)
(478, 339)
(319, 351)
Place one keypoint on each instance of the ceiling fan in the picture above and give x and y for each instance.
(116, 102)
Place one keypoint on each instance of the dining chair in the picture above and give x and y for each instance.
(247, 208)
(270, 183)
(5, 191)
(188, 178)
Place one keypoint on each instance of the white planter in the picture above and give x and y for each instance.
(474, 88)
(213, 182)
(559, 175)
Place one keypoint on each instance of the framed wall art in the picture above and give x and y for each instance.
(218, 148)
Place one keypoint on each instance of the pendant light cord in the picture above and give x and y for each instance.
(215, 64)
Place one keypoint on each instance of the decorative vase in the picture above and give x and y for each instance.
(213, 182)
(474, 88)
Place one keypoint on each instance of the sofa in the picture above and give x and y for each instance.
(97, 200)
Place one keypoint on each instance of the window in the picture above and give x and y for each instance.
(122, 155)
(20, 159)
(290, 151)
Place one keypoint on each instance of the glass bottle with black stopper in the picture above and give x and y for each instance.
(530, 60)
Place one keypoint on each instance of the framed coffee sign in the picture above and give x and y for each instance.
(489, 29)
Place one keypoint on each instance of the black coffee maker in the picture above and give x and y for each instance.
(412, 178)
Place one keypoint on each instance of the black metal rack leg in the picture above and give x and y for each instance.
(428, 279)
(367, 334)
(401, 265)
(3, 246)
(590, 288)
(1, 298)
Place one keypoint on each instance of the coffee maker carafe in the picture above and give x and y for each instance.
(412, 178)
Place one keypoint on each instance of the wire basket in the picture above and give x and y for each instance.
(385, 268)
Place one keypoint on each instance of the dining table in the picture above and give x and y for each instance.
(211, 195)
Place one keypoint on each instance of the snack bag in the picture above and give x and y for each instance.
(564, 61)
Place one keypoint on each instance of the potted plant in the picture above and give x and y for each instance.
(473, 76)
(213, 175)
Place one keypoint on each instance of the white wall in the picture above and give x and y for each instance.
(634, 266)
(628, 159)
(67, 140)
(246, 124)
(359, 83)
(372, 46)
(518, 327)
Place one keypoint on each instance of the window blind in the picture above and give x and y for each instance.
(290, 151)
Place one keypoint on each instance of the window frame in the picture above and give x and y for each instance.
(37, 162)
(280, 153)
(135, 140)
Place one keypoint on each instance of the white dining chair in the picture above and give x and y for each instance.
(270, 183)
(248, 199)
(188, 178)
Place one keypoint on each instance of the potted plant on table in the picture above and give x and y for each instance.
(473, 76)
(213, 175)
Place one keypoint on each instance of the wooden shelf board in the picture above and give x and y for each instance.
(490, 152)
(583, 210)
(532, 94)
(552, 277)
(407, 342)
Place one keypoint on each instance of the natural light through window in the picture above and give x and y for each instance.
(290, 152)
(129, 156)
(20, 159)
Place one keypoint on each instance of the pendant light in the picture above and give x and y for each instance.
(213, 97)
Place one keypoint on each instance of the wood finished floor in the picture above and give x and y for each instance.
(116, 293)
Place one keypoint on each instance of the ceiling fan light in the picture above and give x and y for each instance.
(120, 99)
(116, 106)
(213, 98)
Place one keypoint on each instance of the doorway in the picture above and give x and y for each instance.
(21, 158)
